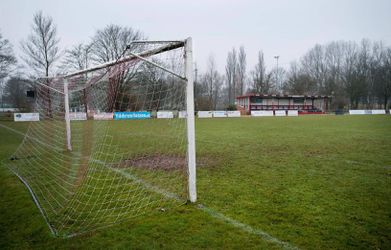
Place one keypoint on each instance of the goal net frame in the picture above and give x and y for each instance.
(58, 113)
(188, 78)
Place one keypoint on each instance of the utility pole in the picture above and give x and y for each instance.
(277, 83)
(195, 86)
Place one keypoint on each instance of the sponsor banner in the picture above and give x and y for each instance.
(182, 114)
(9, 109)
(358, 112)
(293, 113)
(279, 113)
(132, 115)
(165, 115)
(26, 117)
(233, 113)
(378, 111)
(205, 114)
(219, 114)
(103, 116)
(78, 116)
(262, 113)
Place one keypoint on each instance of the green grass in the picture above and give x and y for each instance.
(316, 182)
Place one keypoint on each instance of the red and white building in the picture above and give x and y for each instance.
(304, 104)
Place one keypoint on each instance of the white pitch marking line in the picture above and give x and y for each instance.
(209, 211)
(245, 227)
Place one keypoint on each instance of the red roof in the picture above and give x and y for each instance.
(282, 96)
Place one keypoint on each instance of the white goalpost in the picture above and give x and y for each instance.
(100, 154)
(67, 118)
(190, 121)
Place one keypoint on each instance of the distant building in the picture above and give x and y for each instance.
(303, 103)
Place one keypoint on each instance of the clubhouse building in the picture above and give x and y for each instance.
(304, 104)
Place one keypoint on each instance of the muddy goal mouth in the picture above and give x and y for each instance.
(160, 162)
(155, 162)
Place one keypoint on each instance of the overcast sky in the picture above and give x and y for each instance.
(287, 28)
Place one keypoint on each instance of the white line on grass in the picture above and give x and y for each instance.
(247, 228)
(140, 181)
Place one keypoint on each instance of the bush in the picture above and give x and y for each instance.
(231, 107)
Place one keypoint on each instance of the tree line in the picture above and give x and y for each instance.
(42, 56)
(356, 75)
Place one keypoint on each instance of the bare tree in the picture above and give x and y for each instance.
(362, 73)
(333, 63)
(387, 78)
(314, 66)
(351, 72)
(381, 75)
(198, 91)
(231, 73)
(210, 79)
(41, 47)
(78, 57)
(212, 82)
(375, 72)
(261, 80)
(110, 44)
(348, 71)
(333, 60)
(241, 70)
(7, 58)
(278, 79)
(299, 82)
(318, 72)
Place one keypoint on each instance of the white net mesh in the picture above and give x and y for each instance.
(117, 169)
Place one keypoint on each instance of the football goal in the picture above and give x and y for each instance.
(112, 141)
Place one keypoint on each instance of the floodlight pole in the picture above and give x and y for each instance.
(278, 85)
(191, 152)
(67, 118)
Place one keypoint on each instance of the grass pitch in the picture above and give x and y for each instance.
(312, 182)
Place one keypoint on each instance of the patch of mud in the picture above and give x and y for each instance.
(162, 162)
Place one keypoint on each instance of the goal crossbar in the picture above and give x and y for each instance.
(171, 46)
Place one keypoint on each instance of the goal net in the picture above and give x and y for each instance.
(113, 141)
